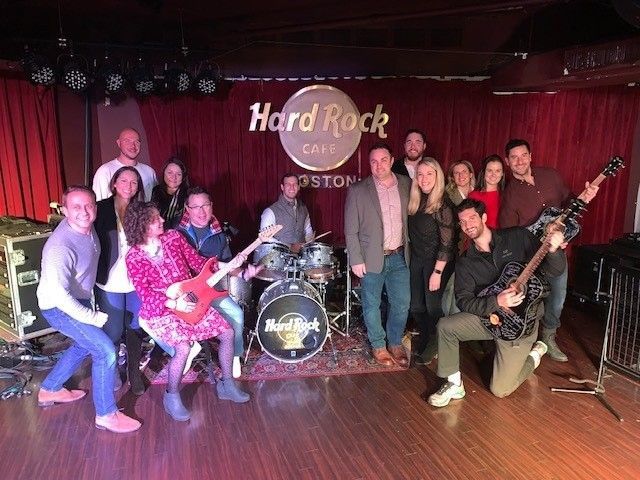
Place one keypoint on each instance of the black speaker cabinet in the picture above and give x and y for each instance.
(592, 269)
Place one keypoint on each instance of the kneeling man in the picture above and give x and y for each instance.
(477, 269)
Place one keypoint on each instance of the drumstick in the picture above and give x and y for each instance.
(319, 236)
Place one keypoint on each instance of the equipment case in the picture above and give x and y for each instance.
(21, 243)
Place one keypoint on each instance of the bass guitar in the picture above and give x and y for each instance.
(572, 228)
(200, 289)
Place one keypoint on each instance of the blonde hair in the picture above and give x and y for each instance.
(435, 198)
(451, 185)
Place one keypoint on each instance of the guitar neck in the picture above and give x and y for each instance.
(599, 179)
(220, 274)
(533, 264)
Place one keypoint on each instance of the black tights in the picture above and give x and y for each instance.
(179, 360)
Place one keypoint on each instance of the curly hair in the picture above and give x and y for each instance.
(137, 218)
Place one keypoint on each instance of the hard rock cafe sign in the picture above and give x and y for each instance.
(319, 126)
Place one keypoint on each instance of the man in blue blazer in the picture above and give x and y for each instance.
(377, 243)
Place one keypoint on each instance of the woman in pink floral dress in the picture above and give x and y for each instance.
(156, 260)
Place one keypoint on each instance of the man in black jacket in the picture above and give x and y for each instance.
(477, 269)
(415, 144)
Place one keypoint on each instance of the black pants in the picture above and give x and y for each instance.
(426, 306)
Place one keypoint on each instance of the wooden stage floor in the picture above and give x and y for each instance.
(375, 426)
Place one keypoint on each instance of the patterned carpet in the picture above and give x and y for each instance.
(352, 353)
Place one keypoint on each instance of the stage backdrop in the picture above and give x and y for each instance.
(574, 131)
(30, 166)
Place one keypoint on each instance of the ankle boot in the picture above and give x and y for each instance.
(549, 338)
(228, 390)
(134, 349)
(174, 407)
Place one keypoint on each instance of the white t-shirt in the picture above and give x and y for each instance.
(103, 176)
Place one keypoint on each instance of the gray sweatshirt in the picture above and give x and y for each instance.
(69, 266)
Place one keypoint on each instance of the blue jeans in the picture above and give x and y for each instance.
(87, 340)
(395, 278)
(555, 301)
(234, 315)
(122, 309)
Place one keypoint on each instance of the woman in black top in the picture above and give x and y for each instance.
(114, 291)
(431, 231)
(170, 194)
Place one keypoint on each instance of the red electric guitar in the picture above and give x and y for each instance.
(199, 289)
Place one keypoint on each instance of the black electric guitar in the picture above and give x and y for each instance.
(515, 322)
(571, 227)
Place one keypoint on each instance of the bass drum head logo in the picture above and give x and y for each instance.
(331, 130)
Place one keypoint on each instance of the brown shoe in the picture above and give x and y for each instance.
(381, 356)
(399, 355)
(117, 422)
(47, 398)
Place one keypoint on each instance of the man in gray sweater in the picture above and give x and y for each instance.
(69, 266)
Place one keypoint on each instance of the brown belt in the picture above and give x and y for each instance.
(400, 249)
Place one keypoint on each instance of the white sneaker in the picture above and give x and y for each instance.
(236, 370)
(449, 391)
(540, 348)
(193, 353)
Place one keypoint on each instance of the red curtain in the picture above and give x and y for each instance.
(30, 166)
(573, 131)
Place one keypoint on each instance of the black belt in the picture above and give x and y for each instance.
(400, 249)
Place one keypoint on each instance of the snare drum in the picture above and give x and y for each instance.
(292, 324)
(276, 258)
(319, 262)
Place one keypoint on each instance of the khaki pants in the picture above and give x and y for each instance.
(511, 365)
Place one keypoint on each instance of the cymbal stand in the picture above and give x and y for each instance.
(598, 387)
(344, 317)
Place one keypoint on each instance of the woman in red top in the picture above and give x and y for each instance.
(490, 186)
(156, 260)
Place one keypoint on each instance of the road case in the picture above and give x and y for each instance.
(21, 243)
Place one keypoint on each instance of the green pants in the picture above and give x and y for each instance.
(511, 365)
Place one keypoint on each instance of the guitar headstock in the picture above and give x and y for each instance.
(575, 208)
(268, 232)
(613, 166)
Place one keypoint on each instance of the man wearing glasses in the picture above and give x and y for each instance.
(203, 230)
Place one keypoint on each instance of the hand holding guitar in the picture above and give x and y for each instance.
(589, 192)
(555, 239)
(235, 262)
(181, 304)
(510, 298)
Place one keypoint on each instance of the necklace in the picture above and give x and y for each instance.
(153, 248)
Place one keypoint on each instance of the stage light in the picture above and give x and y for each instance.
(141, 78)
(111, 75)
(206, 81)
(38, 69)
(75, 75)
(177, 80)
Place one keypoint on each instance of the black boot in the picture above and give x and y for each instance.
(419, 342)
(134, 351)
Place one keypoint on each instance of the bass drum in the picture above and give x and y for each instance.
(292, 323)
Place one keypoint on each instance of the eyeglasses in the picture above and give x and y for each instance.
(199, 207)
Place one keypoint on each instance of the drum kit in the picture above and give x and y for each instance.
(293, 321)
